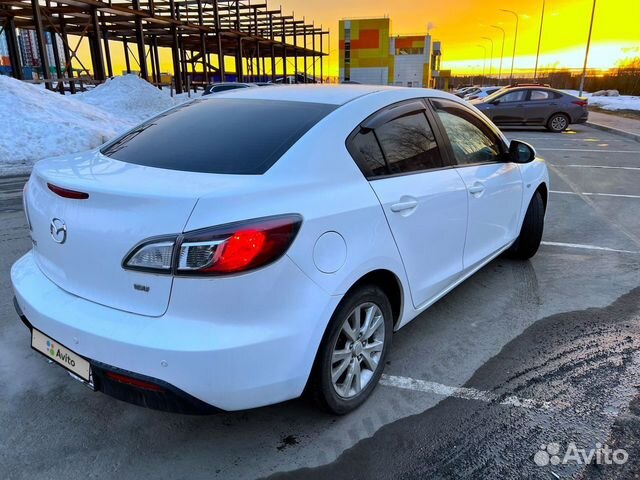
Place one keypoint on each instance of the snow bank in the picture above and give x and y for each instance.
(622, 102)
(36, 123)
(129, 98)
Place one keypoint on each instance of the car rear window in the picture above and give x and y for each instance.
(222, 135)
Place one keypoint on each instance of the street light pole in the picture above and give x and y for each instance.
(586, 53)
(484, 61)
(491, 54)
(535, 71)
(501, 51)
(515, 39)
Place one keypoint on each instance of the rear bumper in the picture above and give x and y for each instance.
(259, 353)
(161, 395)
(582, 117)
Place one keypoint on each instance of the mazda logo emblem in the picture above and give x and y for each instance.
(58, 230)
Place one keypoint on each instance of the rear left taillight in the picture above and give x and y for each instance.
(25, 206)
(582, 103)
(223, 250)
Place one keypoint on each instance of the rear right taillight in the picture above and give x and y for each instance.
(222, 250)
(236, 247)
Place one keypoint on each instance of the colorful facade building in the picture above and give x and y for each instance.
(369, 54)
(27, 45)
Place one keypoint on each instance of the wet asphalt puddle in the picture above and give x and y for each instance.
(563, 385)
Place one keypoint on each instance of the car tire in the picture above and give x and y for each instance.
(558, 122)
(338, 347)
(527, 243)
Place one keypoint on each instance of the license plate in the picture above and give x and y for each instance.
(61, 355)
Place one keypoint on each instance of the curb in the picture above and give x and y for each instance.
(622, 133)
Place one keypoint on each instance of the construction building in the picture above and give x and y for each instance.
(370, 54)
(261, 42)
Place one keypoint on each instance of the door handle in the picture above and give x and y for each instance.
(402, 206)
(476, 188)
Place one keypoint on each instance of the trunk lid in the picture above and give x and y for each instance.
(127, 203)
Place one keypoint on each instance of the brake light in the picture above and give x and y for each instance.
(226, 249)
(66, 193)
(582, 103)
(25, 206)
(237, 247)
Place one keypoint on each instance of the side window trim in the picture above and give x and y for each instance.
(393, 112)
(447, 143)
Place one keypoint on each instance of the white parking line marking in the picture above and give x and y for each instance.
(416, 385)
(595, 194)
(587, 247)
(598, 166)
(601, 150)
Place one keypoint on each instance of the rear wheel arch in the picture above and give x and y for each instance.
(550, 117)
(390, 284)
(559, 112)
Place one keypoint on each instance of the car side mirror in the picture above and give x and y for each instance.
(521, 152)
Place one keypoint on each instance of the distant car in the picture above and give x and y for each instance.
(484, 92)
(533, 105)
(224, 86)
(466, 91)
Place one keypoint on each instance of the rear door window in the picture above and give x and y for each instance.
(409, 144)
(517, 96)
(221, 135)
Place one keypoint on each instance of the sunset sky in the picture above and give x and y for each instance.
(461, 24)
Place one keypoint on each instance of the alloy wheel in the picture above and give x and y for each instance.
(559, 123)
(357, 350)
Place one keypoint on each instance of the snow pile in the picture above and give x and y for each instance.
(36, 123)
(623, 102)
(129, 98)
(613, 103)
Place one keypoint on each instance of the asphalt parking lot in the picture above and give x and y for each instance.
(520, 356)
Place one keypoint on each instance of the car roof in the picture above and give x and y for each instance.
(324, 93)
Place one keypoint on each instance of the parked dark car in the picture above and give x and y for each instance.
(533, 105)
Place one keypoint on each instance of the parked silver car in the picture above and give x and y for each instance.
(533, 105)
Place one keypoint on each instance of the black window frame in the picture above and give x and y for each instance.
(503, 157)
(388, 114)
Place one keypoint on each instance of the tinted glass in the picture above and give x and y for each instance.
(365, 150)
(471, 139)
(540, 95)
(408, 144)
(517, 96)
(219, 135)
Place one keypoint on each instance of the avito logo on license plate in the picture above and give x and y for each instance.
(61, 355)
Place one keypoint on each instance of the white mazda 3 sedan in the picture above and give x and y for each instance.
(241, 249)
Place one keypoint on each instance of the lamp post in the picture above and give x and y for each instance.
(484, 60)
(515, 40)
(491, 54)
(586, 53)
(501, 51)
(535, 70)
